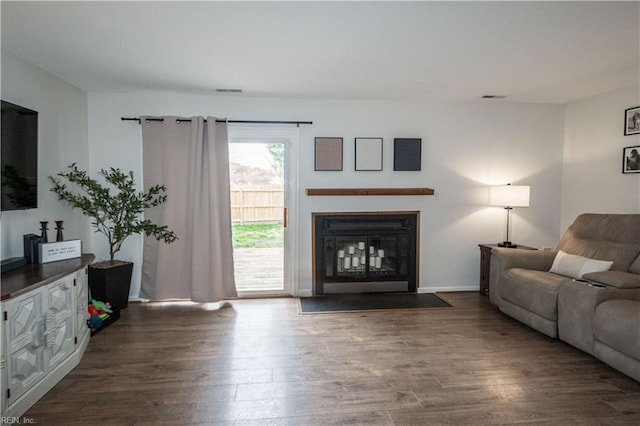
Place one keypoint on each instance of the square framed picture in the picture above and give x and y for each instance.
(368, 154)
(328, 154)
(632, 121)
(407, 154)
(631, 159)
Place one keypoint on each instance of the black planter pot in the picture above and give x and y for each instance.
(111, 282)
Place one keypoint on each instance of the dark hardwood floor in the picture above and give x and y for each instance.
(258, 362)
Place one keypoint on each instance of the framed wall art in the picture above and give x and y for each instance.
(632, 121)
(328, 154)
(631, 159)
(407, 154)
(368, 154)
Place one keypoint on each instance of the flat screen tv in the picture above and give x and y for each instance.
(19, 135)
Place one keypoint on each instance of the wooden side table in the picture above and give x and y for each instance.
(485, 264)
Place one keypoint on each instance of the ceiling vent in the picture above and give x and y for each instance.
(493, 97)
(229, 90)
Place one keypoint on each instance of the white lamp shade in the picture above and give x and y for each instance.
(509, 195)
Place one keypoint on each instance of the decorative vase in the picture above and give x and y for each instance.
(59, 228)
(44, 229)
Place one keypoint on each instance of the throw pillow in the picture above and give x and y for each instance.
(571, 265)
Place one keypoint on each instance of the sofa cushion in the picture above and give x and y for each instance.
(635, 266)
(621, 254)
(615, 228)
(536, 291)
(616, 323)
(617, 279)
(575, 266)
(605, 236)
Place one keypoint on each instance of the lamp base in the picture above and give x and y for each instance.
(507, 244)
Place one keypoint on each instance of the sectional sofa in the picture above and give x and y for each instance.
(586, 292)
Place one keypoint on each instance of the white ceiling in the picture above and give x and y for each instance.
(530, 51)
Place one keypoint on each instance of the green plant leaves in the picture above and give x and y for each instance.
(117, 214)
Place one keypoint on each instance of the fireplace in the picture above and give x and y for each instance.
(364, 252)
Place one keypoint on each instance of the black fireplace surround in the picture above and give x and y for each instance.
(365, 252)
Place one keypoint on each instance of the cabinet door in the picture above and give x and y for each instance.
(25, 342)
(59, 320)
(82, 330)
(3, 365)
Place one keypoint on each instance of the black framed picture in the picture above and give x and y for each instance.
(631, 159)
(368, 154)
(407, 154)
(632, 121)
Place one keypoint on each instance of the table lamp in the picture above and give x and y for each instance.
(509, 196)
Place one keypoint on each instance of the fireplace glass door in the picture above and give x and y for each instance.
(368, 253)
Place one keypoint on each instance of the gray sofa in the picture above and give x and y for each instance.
(598, 313)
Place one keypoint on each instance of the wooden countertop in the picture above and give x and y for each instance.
(32, 276)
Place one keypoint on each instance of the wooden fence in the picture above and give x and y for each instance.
(257, 204)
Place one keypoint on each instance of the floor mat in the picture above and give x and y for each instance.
(369, 301)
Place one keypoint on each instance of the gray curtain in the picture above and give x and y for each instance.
(191, 158)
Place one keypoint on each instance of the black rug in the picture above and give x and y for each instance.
(369, 301)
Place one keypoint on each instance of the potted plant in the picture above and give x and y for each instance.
(117, 216)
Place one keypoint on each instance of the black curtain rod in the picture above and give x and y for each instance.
(297, 123)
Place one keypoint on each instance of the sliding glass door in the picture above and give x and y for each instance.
(259, 166)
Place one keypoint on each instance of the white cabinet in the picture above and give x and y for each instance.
(24, 332)
(44, 334)
(83, 332)
(59, 320)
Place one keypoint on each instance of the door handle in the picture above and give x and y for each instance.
(285, 217)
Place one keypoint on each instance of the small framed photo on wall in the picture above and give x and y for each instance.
(632, 121)
(368, 154)
(328, 154)
(407, 154)
(631, 159)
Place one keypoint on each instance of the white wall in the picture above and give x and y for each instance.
(592, 180)
(466, 146)
(62, 140)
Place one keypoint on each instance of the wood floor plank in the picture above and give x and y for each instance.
(375, 418)
(258, 362)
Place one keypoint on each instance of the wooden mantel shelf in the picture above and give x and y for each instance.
(369, 191)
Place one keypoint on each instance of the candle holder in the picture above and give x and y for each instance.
(43, 230)
(59, 229)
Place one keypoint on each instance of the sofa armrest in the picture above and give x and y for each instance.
(617, 279)
(615, 293)
(527, 259)
(507, 258)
